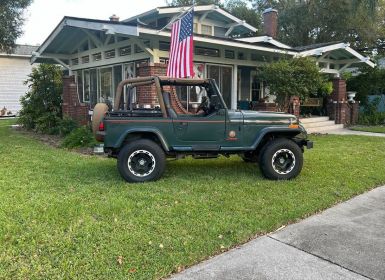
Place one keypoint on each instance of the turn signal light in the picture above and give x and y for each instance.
(101, 126)
(294, 126)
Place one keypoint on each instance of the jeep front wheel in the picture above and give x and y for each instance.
(141, 161)
(282, 159)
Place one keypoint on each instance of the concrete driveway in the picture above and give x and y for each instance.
(344, 242)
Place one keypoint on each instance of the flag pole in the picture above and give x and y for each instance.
(177, 18)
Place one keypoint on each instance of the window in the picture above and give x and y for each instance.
(206, 30)
(106, 94)
(79, 82)
(164, 46)
(254, 57)
(97, 56)
(86, 95)
(223, 75)
(75, 61)
(220, 31)
(241, 56)
(138, 49)
(229, 54)
(86, 59)
(207, 52)
(125, 51)
(195, 26)
(190, 96)
(109, 54)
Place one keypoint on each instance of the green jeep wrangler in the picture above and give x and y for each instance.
(142, 137)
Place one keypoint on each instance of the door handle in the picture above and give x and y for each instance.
(183, 123)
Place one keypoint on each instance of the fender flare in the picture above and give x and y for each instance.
(266, 130)
(154, 131)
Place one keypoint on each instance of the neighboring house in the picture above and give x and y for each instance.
(14, 69)
(102, 53)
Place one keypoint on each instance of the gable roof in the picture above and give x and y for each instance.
(212, 11)
(21, 51)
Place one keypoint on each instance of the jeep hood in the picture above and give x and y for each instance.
(254, 117)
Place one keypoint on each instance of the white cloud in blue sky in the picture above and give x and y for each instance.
(43, 15)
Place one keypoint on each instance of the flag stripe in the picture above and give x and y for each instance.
(181, 55)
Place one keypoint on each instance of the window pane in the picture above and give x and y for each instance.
(79, 81)
(106, 85)
(207, 30)
(117, 80)
(93, 87)
(86, 96)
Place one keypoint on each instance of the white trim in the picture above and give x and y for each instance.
(218, 41)
(265, 39)
(343, 46)
(204, 8)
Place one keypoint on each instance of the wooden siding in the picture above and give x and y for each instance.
(13, 73)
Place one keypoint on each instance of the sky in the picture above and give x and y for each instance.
(44, 15)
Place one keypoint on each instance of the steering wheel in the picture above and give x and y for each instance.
(204, 106)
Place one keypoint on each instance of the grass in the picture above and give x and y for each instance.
(375, 129)
(68, 216)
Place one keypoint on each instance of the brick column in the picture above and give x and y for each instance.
(71, 105)
(295, 106)
(147, 94)
(338, 109)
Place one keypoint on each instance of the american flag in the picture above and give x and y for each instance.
(180, 63)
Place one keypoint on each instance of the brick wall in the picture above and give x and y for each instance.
(71, 106)
(147, 94)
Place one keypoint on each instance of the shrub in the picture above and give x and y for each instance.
(66, 126)
(370, 114)
(79, 137)
(295, 77)
(41, 105)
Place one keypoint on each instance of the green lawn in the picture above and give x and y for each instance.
(376, 129)
(68, 216)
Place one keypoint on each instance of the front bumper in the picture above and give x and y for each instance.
(309, 144)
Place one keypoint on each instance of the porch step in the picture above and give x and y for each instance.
(314, 120)
(320, 125)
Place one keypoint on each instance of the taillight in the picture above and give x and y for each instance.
(101, 126)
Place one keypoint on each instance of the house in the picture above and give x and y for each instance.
(14, 69)
(99, 54)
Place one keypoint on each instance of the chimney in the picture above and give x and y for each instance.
(270, 22)
(114, 18)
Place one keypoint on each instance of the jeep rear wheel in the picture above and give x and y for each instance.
(141, 161)
(281, 159)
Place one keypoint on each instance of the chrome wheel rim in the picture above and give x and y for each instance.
(283, 161)
(141, 163)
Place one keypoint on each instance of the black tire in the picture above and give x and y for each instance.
(249, 157)
(281, 159)
(141, 161)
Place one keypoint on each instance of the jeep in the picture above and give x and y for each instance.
(142, 137)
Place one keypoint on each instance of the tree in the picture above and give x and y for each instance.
(11, 20)
(294, 77)
(41, 105)
(305, 22)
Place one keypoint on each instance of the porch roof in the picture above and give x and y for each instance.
(71, 32)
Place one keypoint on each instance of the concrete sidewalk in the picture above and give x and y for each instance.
(344, 242)
(345, 131)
